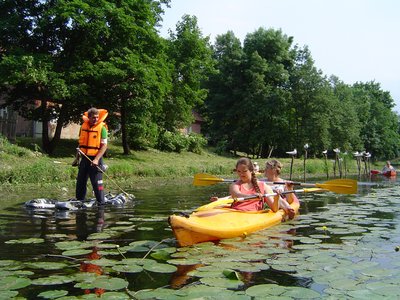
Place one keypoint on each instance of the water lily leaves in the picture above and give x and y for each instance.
(47, 265)
(160, 293)
(265, 290)
(160, 268)
(222, 282)
(8, 262)
(145, 228)
(114, 296)
(76, 252)
(199, 273)
(26, 241)
(128, 268)
(143, 246)
(110, 284)
(87, 277)
(99, 236)
(20, 273)
(103, 262)
(6, 295)
(56, 236)
(199, 291)
(138, 261)
(231, 274)
(69, 245)
(53, 294)
(53, 280)
(160, 255)
(13, 283)
(301, 293)
(183, 261)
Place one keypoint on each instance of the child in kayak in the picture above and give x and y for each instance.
(387, 168)
(249, 185)
(272, 172)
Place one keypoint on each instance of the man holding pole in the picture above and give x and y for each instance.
(92, 146)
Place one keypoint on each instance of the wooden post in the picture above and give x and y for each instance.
(325, 153)
(292, 153)
(304, 163)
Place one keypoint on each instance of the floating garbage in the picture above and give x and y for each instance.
(73, 204)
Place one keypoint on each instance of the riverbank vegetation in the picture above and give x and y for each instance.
(24, 164)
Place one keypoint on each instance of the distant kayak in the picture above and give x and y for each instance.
(221, 223)
(387, 174)
(73, 204)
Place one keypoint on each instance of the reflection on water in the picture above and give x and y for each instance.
(333, 234)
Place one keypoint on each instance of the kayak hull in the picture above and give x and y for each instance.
(223, 223)
(391, 173)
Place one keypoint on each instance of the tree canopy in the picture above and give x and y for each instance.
(59, 57)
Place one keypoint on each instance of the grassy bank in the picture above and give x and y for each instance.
(23, 163)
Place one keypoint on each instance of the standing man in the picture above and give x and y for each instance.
(92, 146)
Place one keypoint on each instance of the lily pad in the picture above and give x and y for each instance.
(69, 245)
(76, 252)
(301, 293)
(99, 236)
(128, 268)
(110, 284)
(222, 282)
(53, 280)
(47, 265)
(6, 295)
(26, 241)
(53, 294)
(13, 283)
(160, 268)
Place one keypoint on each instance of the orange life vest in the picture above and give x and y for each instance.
(90, 137)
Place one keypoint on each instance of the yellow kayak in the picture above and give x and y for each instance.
(222, 223)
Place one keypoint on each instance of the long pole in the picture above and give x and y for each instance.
(108, 177)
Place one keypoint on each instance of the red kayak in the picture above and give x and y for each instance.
(390, 173)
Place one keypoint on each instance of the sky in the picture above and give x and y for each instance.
(355, 40)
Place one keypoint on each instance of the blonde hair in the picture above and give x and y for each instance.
(274, 164)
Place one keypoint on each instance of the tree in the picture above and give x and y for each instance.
(190, 56)
(225, 91)
(84, 53)
(269, 58)
(380, 126)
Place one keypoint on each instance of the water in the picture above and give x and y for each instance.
(351, 236)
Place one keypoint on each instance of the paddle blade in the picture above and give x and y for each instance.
(340, 186)
(203, 179)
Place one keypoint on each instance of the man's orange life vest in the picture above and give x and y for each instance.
(90, 137)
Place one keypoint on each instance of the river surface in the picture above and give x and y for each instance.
(340, 247)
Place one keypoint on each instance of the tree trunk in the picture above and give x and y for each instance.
(50, 145)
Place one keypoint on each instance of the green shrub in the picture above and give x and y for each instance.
(196, 143)
(172, 142)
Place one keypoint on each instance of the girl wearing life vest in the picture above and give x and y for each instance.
(92, 145)
(249, 185)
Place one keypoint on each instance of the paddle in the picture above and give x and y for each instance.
(228, 200)
(340, 186)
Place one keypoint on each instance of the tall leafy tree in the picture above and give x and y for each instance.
(30, 68)
(269, 57)
(191, 58)
(225, 91)
(311, 104)
(83, 53)
(379, 123)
